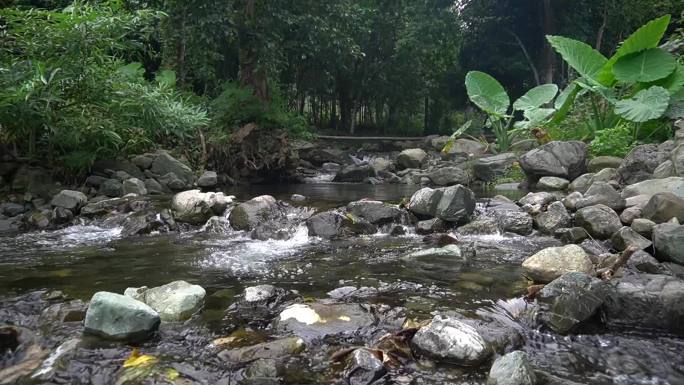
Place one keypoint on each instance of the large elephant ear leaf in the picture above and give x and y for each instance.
(564, 102)
(487, 93)
(646, 37)
(587, 61)
(536, 97)
(646, 105)
(675, 82)
(645, 66)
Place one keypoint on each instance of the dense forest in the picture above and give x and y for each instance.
(92, 79)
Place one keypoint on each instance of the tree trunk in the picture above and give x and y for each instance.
(602, 28)
(548, 54)
(251, 73)
(530, 62)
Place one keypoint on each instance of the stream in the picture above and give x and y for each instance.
(40, 268)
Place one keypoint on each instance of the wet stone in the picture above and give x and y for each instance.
(363, 368)
(450, 340)
(277, 349)
(512, 369)
(313, 321)
(117, 317)
(175, 301)
(552, 262)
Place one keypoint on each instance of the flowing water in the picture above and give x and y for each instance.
(81, 260)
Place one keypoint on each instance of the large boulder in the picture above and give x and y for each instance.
(640, 163)
(328, 224)
(36, 180)
(70, 200)
(569, 300)
(552, 262)
(674, 185)
(411, 158)
(450, 340)
(489, 168)
(601, 193)
(512, 369)
(562, 159)
(668, 240)
(118, 317)
(425, 201)
(600, 221)
(646, 301)
(664, 206)
(375, 211)
(448, 176)
(175, 301)
(196, 207)
(355, 173)
(457, 204)
(248, 215)
(164, 164)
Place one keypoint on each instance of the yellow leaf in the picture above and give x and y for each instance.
(137, 360)
(172, 374)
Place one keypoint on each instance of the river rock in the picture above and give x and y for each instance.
(677, 158)
(561, 159)
(601, 162)
(134, 186)
(175, 301)
(196, 207)
(651, 301)
(355, 173)
(456, 205)
(375, 211)
(12, 209)
(626, 237)
(448, 251)
(363, 368)
(411, 158)
(571, 234)
(640, 163)
(467, 147)
(555, 217)
(664, 206)
(600, 221)
(448, 339)
(250, 214)
(601, 193)
(570, 201)
(664, 170)
(36, 180)
(629, 214)
(111, 188)
(327, 225)
(512, 369)
(542, 198)
(425, 201)
(143, 161)
(277, 349)
(117, 317)
(581, 183)
(643, 226)
(153, 187)
(511, 218)
(208, 179)
(165, 164)
(570, 300)
(552, 183)
(70, 200)
(668, 240)
(448, 176)
(262, 302)
(489, 168)
(674, 185)
(313, 321)
(552, 262)
(429, 226)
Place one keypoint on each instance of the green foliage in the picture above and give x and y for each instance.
(616, 141)
(644, 66)
(646, 105)
(580, 56)
(487, 93)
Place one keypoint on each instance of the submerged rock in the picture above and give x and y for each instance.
(262, 302)
(317, 320)
(552, 262)
(375, 211)
(512, 369)
(175, 301)
(277, 349)
(448, 339)
(117, 317)
(451, 251)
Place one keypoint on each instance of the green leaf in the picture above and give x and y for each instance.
(452, 139)
(644, 66)
(166, 78)
(587, 61)
(538, 115)
(564, 102)
(646, 105)
(646, 37)
(487, 93)
(132, 71)
(536, 97)
(675, 82)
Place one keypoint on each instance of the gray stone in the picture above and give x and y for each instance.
(313, 321)
(664, 206)
(626, 237)
(263, 371)
(121, 175)
(457, 204)
(277, 349)
(104, 165)
(645, 263)
(70, 200)
(134, 186)
(153, 187)
(355, 173)
(450, 340)
(327, 225)
(605, 175)
(677, 158)
(555, 217)
(95, 181)
(208, 179)
(674, 185)
(480, 226)
(172, 182)
(467, 147)
(164, 164)
(537, 199)
(552, 262)
(363, 368)
(448, 176)
(629, 214)
(552, 183)
(425, 201)
(512, 369)
(600, 221)
(601, 162)
(511, 218)
(601, 193)
(646, 301)
(331, 167)
(118, 317)
(581, 183)
(664, 170)
(668, 240)
(36, 180)
(571, 200)
(411, 158)
(111, 188)
(375, 211)
(11, 225)
(570, 300)
(12, 209)
(643, 226)
(61, 215)
(489, 168)
(143, 161)
(640, 163)
(571, 235)
(429, 226)
(175, 301)
(380, 164)
(250, 214)
(452, 252)
(196, 207)
(562, 159)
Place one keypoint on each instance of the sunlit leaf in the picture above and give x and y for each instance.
(587, 61)
(137, 360)
(536, 97)
(487, 93)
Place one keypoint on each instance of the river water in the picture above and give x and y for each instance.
(81, 260)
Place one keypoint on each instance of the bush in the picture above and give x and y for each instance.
(616, 141)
